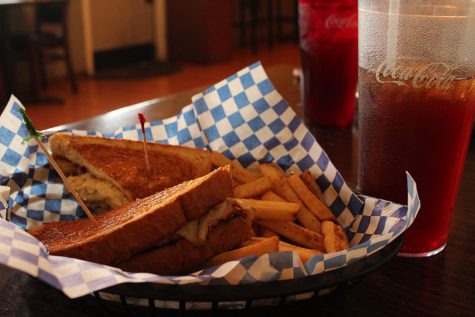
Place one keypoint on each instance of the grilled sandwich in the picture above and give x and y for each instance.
(170, 232)
(108, 173)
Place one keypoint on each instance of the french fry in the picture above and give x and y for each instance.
(264, 246)
(308, 179)
(280, 186)
(252, 189)
(309, 199)
(283, 189)
(276, 210)
(271, 170)
(295, 233)
(333, 237)
(270, 195)
(239, 173)
(308, 220)
(304, 253)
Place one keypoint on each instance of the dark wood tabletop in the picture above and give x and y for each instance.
(443, 285)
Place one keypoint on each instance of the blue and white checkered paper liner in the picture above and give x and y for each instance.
(243, 117)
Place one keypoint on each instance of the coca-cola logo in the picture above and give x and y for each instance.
(334, 21)
(436, 75)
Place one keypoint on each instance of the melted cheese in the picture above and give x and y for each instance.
(196, 232)
(92, 189)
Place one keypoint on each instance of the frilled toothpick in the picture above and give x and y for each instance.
(33, 134)
(144, 137)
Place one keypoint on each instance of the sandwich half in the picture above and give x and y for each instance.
(221, 229)
(174, 231)
(108, 173)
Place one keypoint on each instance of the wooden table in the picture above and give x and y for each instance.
(443, 285)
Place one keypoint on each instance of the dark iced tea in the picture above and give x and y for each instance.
(422, 126)
(329, 54)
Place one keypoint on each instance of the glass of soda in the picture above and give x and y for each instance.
(329, 57)
(416, 107)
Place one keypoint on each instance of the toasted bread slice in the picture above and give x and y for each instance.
(132, 228)
(184, 257)
(113, 171)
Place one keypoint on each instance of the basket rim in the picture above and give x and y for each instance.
(259, 290)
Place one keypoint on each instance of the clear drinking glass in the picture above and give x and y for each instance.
(416, 107)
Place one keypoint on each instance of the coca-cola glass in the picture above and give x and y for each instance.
(416, 107)
(329, 54)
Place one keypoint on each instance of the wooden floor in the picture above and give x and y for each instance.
(99, 96)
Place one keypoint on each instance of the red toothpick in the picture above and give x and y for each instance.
(142, 124)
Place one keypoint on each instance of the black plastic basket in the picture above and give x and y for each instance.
(278, 291)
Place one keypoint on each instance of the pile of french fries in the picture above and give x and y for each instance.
(289, 214)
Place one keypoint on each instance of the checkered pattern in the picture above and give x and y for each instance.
(244, 118)
(37, 194)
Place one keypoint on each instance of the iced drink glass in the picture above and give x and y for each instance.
(329, 56)
(416, 107)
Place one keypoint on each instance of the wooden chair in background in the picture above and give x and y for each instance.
(48, 43)
(253, 13)
(291, 17)
(249, 20)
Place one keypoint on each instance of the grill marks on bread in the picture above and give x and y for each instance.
(127, 168)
